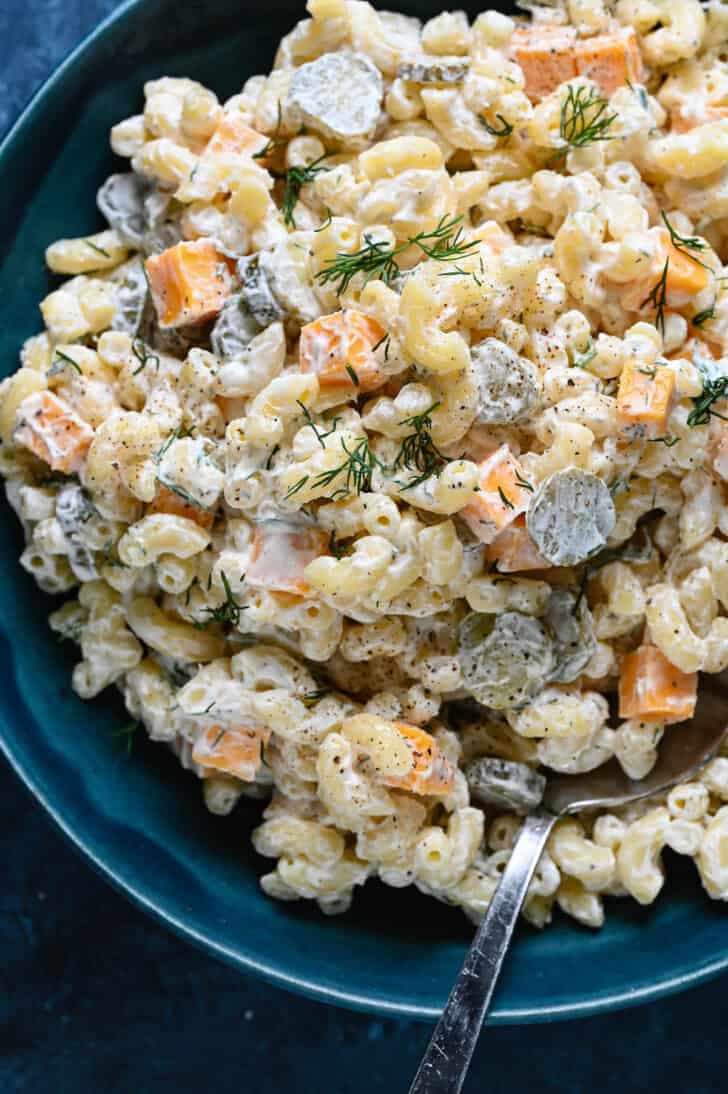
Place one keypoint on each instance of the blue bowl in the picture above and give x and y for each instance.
(139, 818)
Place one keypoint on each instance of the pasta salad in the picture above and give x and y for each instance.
(380, 440)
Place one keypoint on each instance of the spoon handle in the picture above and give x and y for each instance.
(447, 1058)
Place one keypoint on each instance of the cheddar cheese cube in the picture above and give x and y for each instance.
(234, 752)
(503, 495)
(644, 398)
(51, 428)
(188, 282)
(339, 348)
(651, 688)
(280, 555)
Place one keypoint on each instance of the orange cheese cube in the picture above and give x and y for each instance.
(503, 495)
(546, 56)
(230, 751)
(652, 689)
(610, 60)
(551, 55)
(233, 136)
(166, 501)
(332, 342)
(189, 282)
(513, 550)
(685, 278)
(431, 772)
(51, 428)
(280, 554)
(644, 398)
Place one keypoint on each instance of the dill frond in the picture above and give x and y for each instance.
(273, 142)
(687, 245)
(229, 611)
(320, 435)
(657, 297)
(357, 470)
(703, 404)
(584, 118)
(703, 316)
(296, 178)
(62, 359)
(505, 130)
(377, 261)
(418, 452)
(95, 247)
(142, 355)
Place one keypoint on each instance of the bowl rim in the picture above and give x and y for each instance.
(272, 972)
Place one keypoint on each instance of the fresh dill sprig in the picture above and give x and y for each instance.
(320, 436)
(703, 316)
(273, 142)
(703, 404)
(296, 179)
(298, 485)
(352, 373)
(523, 483)
(378, 261)
(325, 223)
(505, 130)
(60, 364)
(95, 247)
(201, 713)
(142, 355)
(584, 118)
(127, 732)
(448, 240)
(687, 245)
(229, 611)
(669, 442)
(505, 499)
(271, 457)
(335, 548)
(180, 491)
(176, 435)
(418, 452)
(313, 697)
(357, 470)
(657, 296)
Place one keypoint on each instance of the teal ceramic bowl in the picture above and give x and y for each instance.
(139, 819)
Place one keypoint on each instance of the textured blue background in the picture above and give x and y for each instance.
(95, 997)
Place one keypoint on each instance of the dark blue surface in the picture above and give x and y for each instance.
(95, 997)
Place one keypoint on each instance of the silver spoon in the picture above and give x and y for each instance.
(684, 750)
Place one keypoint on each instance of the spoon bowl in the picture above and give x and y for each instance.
(684, 750)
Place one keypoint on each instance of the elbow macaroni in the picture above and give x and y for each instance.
(289, 504)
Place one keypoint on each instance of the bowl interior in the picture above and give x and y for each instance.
(139, 817)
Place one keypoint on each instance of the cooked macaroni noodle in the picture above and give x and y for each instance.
(381, 432)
